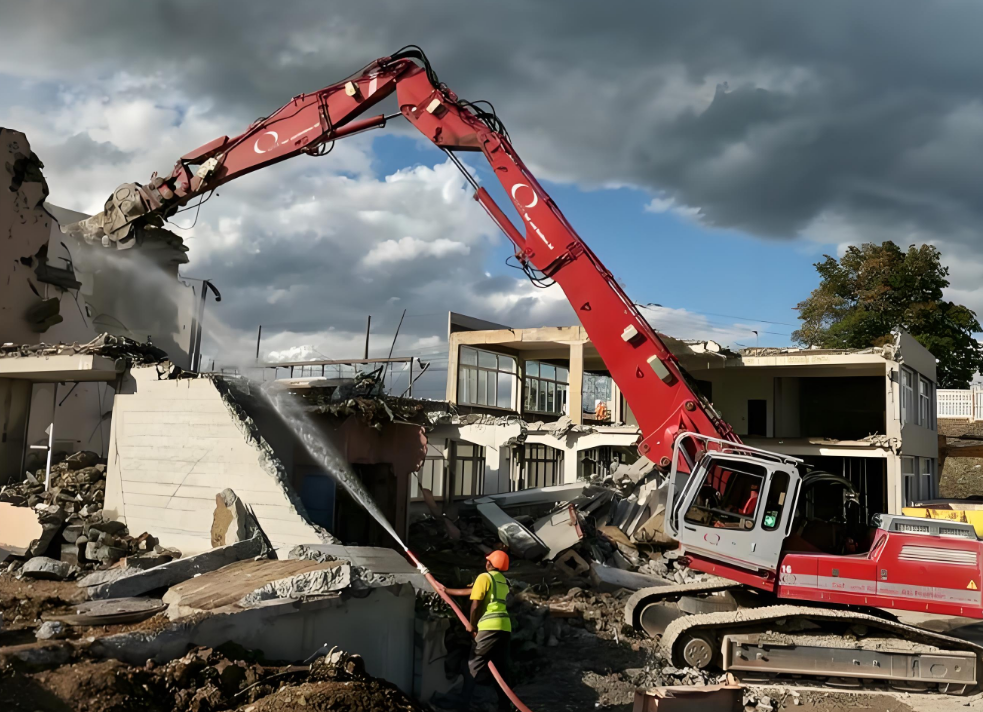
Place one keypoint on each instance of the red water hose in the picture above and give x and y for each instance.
(464, 621)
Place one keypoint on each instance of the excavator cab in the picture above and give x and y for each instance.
(735, 504)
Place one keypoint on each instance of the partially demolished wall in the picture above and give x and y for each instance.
(174, 445)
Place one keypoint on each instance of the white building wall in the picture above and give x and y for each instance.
(174, 445)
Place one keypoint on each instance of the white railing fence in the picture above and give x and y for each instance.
(954, 403)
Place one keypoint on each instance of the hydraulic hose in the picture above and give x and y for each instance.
(435, 585)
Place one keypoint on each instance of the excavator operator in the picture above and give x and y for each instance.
(490, 626)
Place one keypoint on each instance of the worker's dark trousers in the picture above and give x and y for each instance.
(489, 646)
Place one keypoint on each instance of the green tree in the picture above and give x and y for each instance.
(873, 289)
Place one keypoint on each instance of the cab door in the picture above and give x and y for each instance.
(737, 509)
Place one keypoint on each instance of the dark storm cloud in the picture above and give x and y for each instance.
(841, 107)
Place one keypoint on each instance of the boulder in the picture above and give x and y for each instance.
(41, 567)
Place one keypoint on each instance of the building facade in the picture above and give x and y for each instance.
(536, 407)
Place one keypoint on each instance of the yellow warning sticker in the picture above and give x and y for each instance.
(972, 585)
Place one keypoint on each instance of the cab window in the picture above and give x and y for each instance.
(728, 496)
(777, 493)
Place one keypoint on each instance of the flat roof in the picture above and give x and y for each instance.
(57, 368)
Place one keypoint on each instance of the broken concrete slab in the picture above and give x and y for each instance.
(229, 587)
(374, 566)
(609, 578)
(518, 538)
(311, 583)
(559, 531)
(19, 528)
(114, 611)
(97, 578)
(41, 567)
(570, 564)
(175, 572)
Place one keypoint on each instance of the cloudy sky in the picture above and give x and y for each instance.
(708, 152)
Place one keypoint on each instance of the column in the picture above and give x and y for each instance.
(576, 397)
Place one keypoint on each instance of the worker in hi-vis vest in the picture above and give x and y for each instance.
(490, 626)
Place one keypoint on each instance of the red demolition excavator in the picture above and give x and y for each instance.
(795, 590)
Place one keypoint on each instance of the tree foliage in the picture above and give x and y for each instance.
(873, 289)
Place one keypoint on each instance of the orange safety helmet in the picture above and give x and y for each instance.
(499, 559)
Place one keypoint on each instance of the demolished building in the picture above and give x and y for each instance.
(537, 408)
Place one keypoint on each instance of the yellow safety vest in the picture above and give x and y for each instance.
(496, 617)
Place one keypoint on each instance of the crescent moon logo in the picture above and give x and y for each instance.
(535, 196)
(276, 141)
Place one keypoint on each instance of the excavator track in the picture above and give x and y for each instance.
(635, 606)
(753, 641)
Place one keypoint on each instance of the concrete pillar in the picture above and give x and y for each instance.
(576, 396)
(571, 458)
(453, 351)
(895, 485)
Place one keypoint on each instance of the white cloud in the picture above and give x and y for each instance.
(408, 248)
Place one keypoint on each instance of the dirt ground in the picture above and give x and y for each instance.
(23, 602)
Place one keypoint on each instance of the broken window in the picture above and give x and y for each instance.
(926, 467)
(485, 378)
(469, 470)
(908, 480)
(728, 497)
(543, 467)
(431, 475)
(547, 388)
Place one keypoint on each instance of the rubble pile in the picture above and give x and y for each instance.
(76, 536)
(205, 680)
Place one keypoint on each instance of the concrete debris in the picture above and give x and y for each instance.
(41, 567)
(69, 523)
(250, 582)
(49, 630)
(173, 572)
(231, 521)
(704, 698)
(372, 566)
(311, 583)
(514, 535)
(130, 352)
(559, 530)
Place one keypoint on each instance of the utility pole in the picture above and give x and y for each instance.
(259, 336)
(368, 328)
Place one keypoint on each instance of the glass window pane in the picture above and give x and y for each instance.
(465, 450)
(438, 478)
(482, 388)
(907, 465)
(505, 382)
(486, 359)
(542, 396)
(561, 374)
(472, 385)
(561, 399)
(547, 370)
(492, 378)
(506, 363)
(462, 387)
(469, 356)
(532, 368)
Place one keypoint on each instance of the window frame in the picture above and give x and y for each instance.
(482, 376)
(907, 395)
(536, 457)
(909, 482)
(458, 465)
(926, 463)
(546, 389)
(924, 398)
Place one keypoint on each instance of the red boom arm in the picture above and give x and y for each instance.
(647, 373)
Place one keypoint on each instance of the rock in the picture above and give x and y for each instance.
(49, 630)
(110, 527)
(71, 533)
(231, 521)
(145, 561)
(70, 554)
(41, 567)
(96, 551)
(81, 460)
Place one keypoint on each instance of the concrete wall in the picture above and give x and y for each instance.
(173, 446)
(732, 389)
